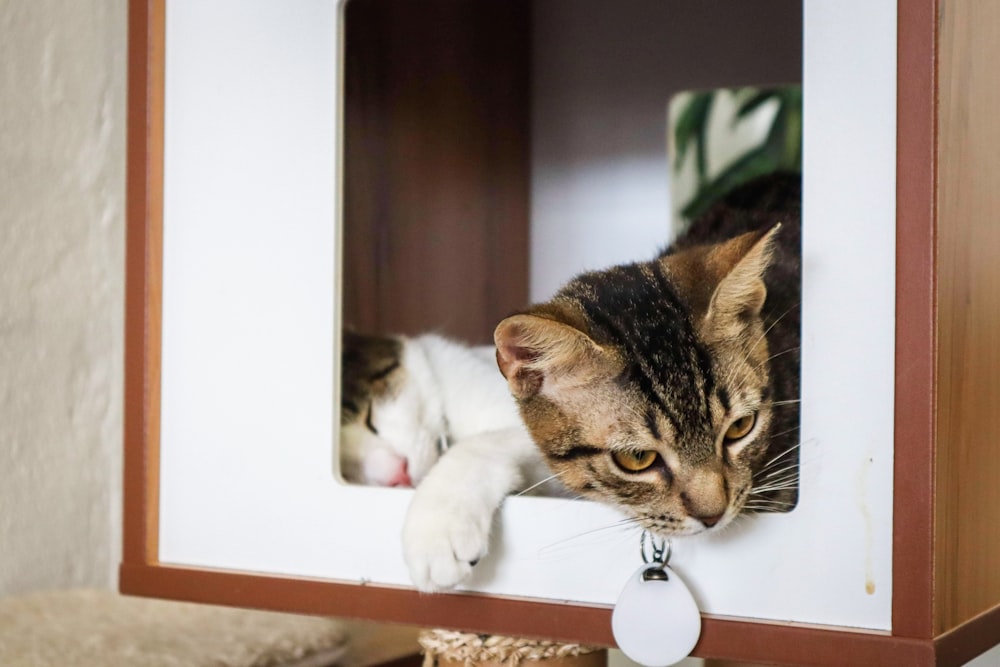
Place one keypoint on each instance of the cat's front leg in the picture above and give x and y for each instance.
(445, 536)
(448, 524)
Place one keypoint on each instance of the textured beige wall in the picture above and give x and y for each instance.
(62, 142)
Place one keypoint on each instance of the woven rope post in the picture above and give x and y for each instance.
(447, 648)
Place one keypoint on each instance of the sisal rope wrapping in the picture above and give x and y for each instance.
(472, 649)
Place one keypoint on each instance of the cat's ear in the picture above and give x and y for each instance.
(533, 350)
(741, 291)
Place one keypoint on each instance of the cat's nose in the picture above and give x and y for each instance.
(708, 509)
(705, 494)
(402, 476)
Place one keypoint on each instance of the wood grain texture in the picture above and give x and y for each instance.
(143, 280)
(436, 165)
(967, 516)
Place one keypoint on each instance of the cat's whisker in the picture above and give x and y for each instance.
(769, 476)
(755, 498)
(779, 463)
(732, 371)
(776, 472)
(785, 432)
(763, 492)
(788, 402)
(768, 330)
(778, 485)
(787, 476)
(777, 459)
(784, 472)
(769, 507)
(778, 319)
(763, 336)
(780, 458)
(781, 471)
(771, 489)
(776, 355)
(627, 522)
(787, 472)
(537, 484)
(766, 501)
(787, 485)
(785, 351)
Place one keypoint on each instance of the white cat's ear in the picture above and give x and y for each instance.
(533, 350)
(741, 291)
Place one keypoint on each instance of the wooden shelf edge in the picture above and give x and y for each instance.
(963, 643)
(461, 611)
(721, 638)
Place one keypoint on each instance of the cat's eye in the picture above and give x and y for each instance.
(740, 428)
(368, 420)
(634, 460)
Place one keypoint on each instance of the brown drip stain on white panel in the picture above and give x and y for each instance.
(869, 528)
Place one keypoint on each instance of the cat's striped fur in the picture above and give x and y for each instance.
(657, 364)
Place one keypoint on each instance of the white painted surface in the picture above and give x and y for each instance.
(62, 166)
(249, 320)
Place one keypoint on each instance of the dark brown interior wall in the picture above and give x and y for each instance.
(436, 165)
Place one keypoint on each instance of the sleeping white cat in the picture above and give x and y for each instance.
(435, 414)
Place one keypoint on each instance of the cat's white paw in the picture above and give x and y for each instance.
(443, 539)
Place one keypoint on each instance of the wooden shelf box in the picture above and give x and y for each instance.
(290, 169)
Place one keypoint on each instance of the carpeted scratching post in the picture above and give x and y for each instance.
(99, 628)
(446, 648)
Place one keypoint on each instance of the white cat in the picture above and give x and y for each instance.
(436, 414)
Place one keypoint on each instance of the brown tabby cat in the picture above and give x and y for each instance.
(670, 388)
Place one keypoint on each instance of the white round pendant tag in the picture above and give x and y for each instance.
(656, 621)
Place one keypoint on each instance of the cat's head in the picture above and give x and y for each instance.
(647, 385)
(389, 425)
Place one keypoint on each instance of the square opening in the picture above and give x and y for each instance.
(493, 151)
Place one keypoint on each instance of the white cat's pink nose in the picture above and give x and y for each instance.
(401, 476)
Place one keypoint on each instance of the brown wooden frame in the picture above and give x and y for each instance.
(930, 622)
